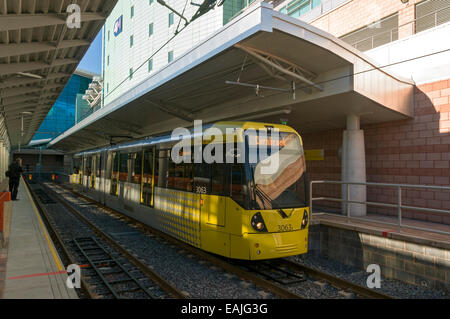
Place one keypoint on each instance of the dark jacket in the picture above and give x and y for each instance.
(15, 171)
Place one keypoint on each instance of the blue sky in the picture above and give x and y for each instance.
(92, 60)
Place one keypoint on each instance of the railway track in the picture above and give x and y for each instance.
(339, 283)
(108, 269)
(279, 277)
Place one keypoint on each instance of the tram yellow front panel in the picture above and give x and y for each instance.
(238, 239)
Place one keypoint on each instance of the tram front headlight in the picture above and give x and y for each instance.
(258, 223)
(305, 219)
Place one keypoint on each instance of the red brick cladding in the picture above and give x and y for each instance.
(413, 151)
(356, 14)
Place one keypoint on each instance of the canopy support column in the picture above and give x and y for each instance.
(354, 167)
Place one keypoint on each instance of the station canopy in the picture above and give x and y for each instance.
(39, 52)
(262, 65)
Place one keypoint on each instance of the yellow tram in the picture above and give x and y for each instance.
(249, 203)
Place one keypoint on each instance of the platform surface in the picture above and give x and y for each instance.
(33, 267)
(371, 222)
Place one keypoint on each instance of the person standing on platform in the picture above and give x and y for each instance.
(14, 173)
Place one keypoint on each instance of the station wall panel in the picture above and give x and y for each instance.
(413, 151)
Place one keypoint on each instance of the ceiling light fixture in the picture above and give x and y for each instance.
(30, 75)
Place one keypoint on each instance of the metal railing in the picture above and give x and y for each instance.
(399, 204)
(393, 34)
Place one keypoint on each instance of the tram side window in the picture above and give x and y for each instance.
(180, 176)
(98, 163)
(136, 167)
(76, 165)
(162, 165)
(109, 160)
(114, 173)
(218, 180)
(202, 178)
(123, 167)
(88, 166)
(238, 187)
(92, 170)
(172, 175)
(147, 182)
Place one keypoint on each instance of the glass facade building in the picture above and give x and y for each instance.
(62, 115)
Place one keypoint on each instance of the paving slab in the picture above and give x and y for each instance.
(33, 269)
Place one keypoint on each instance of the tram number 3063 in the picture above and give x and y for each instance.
(201, 190)
(285, 227)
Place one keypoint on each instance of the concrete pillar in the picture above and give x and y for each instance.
(354, 166)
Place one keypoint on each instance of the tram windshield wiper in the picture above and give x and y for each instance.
(263, 196)
(282, 213)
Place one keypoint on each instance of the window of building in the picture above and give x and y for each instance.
(132, 12)
(375, 34)
(171, 19)
(131, 73)
(170, 56)
(107, 60)
(431, 13)
(131, 41)
(300, 7)
(107, 87)
(150, 29)
(150, 65)
(150, 2)
(109, 34)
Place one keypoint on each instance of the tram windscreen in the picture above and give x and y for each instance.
(277, 171)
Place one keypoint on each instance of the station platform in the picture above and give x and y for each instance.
(30, 267)
(374, 223)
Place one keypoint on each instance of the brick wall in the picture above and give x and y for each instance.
(412, 151)
(329, 168)
(356, 14)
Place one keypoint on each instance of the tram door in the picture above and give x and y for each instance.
(85, 179)
(93, 170)
(97, 171)
(114, 190)
(148, 180)
(217, 209)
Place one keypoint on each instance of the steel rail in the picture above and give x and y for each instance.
(335, 281)
(219, 262)
(57, 239)
(109, 259)
(162, 283)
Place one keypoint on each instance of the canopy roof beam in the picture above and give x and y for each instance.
(283, 66)
(172, 110)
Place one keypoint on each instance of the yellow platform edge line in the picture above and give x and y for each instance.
(44, 231)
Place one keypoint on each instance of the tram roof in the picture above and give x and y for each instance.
(332, 79)
(224, 127)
